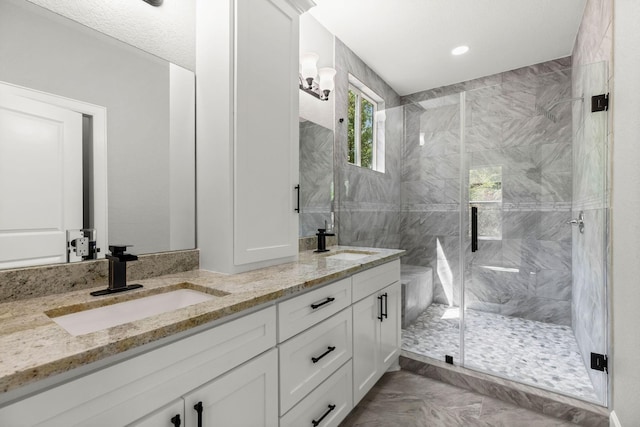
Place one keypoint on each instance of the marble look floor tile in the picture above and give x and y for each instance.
(536, 353)
(405, 399)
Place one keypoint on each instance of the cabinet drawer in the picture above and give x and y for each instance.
(374, 279)
(333, 398)
(302, 312)
(306, 360)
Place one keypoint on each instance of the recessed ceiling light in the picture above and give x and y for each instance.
(460, 50)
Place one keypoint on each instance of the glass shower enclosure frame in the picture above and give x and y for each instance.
(521, 164)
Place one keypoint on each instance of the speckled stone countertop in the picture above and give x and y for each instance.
(33, 347)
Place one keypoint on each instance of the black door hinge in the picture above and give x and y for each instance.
(600, 102)
(600, 362)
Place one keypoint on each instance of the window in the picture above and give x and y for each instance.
(485, 193)
(365, 131)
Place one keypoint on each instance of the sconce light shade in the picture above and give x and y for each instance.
(421, 138)
(326, 76)
(308, 70)
(309, 62)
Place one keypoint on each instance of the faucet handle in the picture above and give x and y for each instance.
(323, 232)
(117, 250)
(118, 253)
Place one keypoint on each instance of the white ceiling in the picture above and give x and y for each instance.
(408, 42)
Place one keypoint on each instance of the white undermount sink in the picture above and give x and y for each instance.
(97, 319)
(350, 255)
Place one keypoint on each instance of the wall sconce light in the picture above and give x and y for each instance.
(308, 74)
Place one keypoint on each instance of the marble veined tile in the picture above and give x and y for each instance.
(405, 399)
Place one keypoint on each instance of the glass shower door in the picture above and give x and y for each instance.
(430, 228)
(534, 286)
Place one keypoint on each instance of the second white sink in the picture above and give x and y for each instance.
(84, 322)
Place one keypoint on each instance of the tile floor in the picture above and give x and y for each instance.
(405, 399)
(535, 353)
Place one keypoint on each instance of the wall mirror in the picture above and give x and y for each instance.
(149, 142)
(316, 177)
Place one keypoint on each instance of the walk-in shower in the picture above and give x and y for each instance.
(493, 172)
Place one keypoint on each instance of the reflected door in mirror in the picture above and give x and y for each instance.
(40, 180)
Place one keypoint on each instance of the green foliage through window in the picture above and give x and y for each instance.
(361, 130)
(485, 193)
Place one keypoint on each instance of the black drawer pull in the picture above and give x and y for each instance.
(316, 359)
(380, 318)
(320, 304)
(176, 421)
(199, 409)
(315, 423)
(297, 188)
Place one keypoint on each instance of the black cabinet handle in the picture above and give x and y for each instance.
(199, 409)
(380, 308)
(297, 188)
(176, 420)
(315, 423)
(386, 307)
(474, 229)
(316, 359)
(320, 304)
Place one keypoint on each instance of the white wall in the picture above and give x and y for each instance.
(624, 213)
(315, 38)
(167, 31)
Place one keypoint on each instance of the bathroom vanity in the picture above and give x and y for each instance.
(289, 345)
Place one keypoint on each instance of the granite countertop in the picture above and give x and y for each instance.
(33, 347)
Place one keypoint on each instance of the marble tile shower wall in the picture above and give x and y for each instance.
(592, 74)
(527, 272)
(316, 159)
(367, 202)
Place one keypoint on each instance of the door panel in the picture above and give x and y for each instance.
(366, 332)
(390, 326)
(40, 180)
(246, 396)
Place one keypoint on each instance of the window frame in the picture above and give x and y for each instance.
(357, 134)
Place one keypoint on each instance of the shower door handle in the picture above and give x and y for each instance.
(474, 229)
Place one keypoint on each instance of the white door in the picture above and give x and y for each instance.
(366, 346)
(40, 180)
(245, 397)
(390, 326)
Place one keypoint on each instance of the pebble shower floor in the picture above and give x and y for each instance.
(536, 353)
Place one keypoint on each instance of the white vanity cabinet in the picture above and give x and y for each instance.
(247, 114)
(145, 388)
(246, 396)
(224, 401)
(305, 361)
(316, 345)
(376, 325)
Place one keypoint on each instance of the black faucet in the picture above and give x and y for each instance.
(322, 240)
(118, 271)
